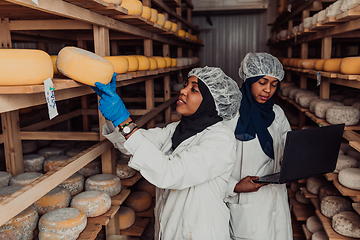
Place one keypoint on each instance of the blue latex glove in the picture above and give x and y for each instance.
(110, 105)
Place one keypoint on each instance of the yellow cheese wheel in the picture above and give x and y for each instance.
(114, 1)
(75, 184)
(92, 203)
(174, 27)
(33, 162)
(167, 25)
(144, 185)
(168, 61)
(24, 178)
(84, 66)
(285, 61)
(153, 63)
(54, 162)
(134, 7)
(350, 65)
(173, 62)
(146, 13)
(291, 61)
(299, 63)
(181, 33)
(309, 63)
(91, 169)
(126, 217)
(332, 65)
(139, 201)
(154, 15)
(319, 64)
(161, 19)
(144, 63)
(24, 67)
(187, 35)
(120, 63)
(133, 63)
(161, 62)
(57, 198)
(108, 183)
(53, 59)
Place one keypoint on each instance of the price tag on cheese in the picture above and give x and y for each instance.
(50, 98)
(35, 1)
(318, 79)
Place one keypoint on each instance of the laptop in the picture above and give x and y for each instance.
(308, 153)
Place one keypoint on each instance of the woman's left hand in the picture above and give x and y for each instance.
(247, 185)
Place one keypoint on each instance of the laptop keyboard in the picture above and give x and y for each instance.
(271, 178)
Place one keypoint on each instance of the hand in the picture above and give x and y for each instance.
(247, 185)
(110, 105)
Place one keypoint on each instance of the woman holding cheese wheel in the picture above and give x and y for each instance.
(259, 211)
(189, 161)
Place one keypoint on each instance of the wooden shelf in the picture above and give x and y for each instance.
(353, 194)
(105, 218)
(331, 176)
(307, 193)
(120, 198)
(137, 229)
(301, 211)
(316, 203)
(131, 181)
(307, 233)
(356, 207)
(90, 232)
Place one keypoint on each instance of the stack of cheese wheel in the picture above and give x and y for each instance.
(91, 169)
(84, 66)
(319, 64)
(36, 66)
(92, 203)
(332, 65)
(54, 162)
(313, 184)
(134, 7)
(4, 178)
(154, 15)
(322, 106)
(343, 114)
(123, 171)
(331, 205)
(8, 190)
(174, 27)
(133, 63)
(144, 185)
(33, 162)
(120, 63)
(144, 63)
(126, 217)
(28, 146)
(108, 183)
(347, 223)
(21, 226)
(308, 63)
(23, 179)
(161, 19)
(51, 151)
(161, 62)
(64, 223)
(139, 201)
(57, 198)
(146, 13)
(312, 104)
(350, 178)
(75, 184)
(345, 161)
(350, 65)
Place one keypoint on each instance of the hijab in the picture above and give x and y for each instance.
(205, 116)
(256, 117)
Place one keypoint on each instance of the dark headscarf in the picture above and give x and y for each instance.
(255, 118)
(205, 116)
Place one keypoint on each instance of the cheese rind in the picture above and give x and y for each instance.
(57, 198)
(108, 183)
(300, 197)
(154, 15)
(331, 205)
(146, 13)
(161, 19)
(92, 203)
(350, 178)
(8, 190)
(75, 184)
(139, 201)
(133, 63)
(319, 235)
(161, 62)
(134, 7)
(319, 64)
(313, 224)
(347, 223)
(91, 169)
(332, 65)
(4, 178)
(144, 63)
(345, 161)
(54, 162)
(126, 217)
(50, 151)
(24, 178)
(144, 185)
(350, 65)
(123, 171)
(343, 114)
(323, 105)
(313, 184)
(120, 63)
(33, 162)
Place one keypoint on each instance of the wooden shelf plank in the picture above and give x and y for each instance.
(131, 181)
(120, 198)
(105, 218)
(301, 211)
(90, 232)
(307, 233)
(349, 15)
(331, 176)
(356, 207)
(353, 194)
(316, 203)
(137, 229)
(307, 193)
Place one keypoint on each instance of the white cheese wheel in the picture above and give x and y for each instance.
(322, 106)
(24, 178)
(347, 223)
(350, 65)
(120, 63)
(144, 185)
(36, 66)
(8, 190)
(349, 4)
(321, 16)
(74, 151)
(343, 114)
(345, 161)
(58, 197)
(308, 22)
(123, 171)
(154, 15)
(54, 162)
(337, 97)
(84, 66)
(50, 151)
(133, 63)
(319, 64)
(295, 186)
(314, 19)
(313, 224)
(180, 62)
(108, 183)
(328, 190)
(167, 25)
(300, 197)
(304, 101)
(161, 19)
(33, 162)
(92, 203)
(356, 105)
(174, 27)
(4, 178)
(300, 94)
(319, 235)
(313, 184)
(350, 178)
(64, 223)
(91, 169)
(144, 63)
(332, 65)
(334, 9)
(350, 101)
(146, 13)
(355, 154)
(126, 217)
(161, 62)
(286, 90)
(75, 184)
(331, 205)
(28, 146)
(293, 92)
(134, 7)
(139, 201)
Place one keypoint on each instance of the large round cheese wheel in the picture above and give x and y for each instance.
(304, 101)
(91, 169)
(173, 62)
(300, 197)
(8, 190)
(313, 103)
(294, 91)
(54, 162)
(337, 97)
(114, 1)
(295, 186)
(108, 183)
(28, 146)
(328, 190)
(350, 178)
(353, 153)
(345, 161)
(74, 151)
(308, 63)
(308, 22)
(299, 63)
(84, 66)
(347, 223)
(146, 13)
(24, 178)
(144, 63)
(4, 178)
(174, 27)
(120, 63)
(313, 224)
(167, 25)
(154, 15)
(343, 114)
(126, 217)
(286, 90)
(313, 184)
(319, 64)
(168, 61)
(33, 162)
(331, 205)
(123, 171)
(350, 65)
(139, 201)
(322, 106)
(321, 16)
(181, 33)
(319, 235)
(161, 19)
(153, 63)
(92, 203)
(161, 62)
(24, 67)
(303, 93)
(51, 151)
(134, 7)
(180, 62)
(57, 198)
(133, 63)
(332, 65)
(75, 184)
(144, 185)
(53, 59)
(64, 223)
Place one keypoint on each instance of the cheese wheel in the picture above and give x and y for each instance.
(75, 184)
(331, 205)
(353, 153)
(33, 162)
(321, 16)
(350, 65)
(144, 63)
(345, 161)
(58, 197)
(51, 151)
(294, 91)
(312, 104)
(146, 13)
(328, 190)
(345, 147)
(322, 106)
(350, 101)
(307, 22)
(174, 27)
(313, 184)
(295, 186)
(74, 151)
(337, 97)
(126, 217)
(123, 171)
(161, 62)
(63, 223)
(8, 190)
(181, 33)
(139, 201)
(24, 67)
(84, 66)
(319, 64)
(53, 59)
(118, 2)
(347, 224)
(286, 90)
(343, 114)
(24, 178)
(153, 63)
(308, 63)
(133, 63)
(108, 183)
(54, 162)
(303, 93)
(300, 197)
(92, 203)
(161, 19)
(299, 63)
(304, 101)
(313, 224)
(319, 235)
(173, 62)
(144, 185)
(4, 178)
(66, 145)
(28, 146)
(350, 178)
(154, 15)
(120, 63)
(134, 7)
(180, 62)
(168, 61)
(91, 169)
(167, 25)
(332, 65)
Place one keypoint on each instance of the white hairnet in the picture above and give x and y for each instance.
(225, 91)
(259, 64)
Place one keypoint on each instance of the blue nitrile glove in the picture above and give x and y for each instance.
(110, 105)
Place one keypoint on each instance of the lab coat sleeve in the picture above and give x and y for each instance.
(212, 156)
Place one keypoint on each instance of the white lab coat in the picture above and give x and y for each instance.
(191, 181)
(265, 214)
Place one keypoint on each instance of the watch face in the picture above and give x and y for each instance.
(126, 130)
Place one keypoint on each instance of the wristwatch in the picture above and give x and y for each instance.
(127, 128)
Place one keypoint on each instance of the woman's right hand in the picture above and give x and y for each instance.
(247, 184)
